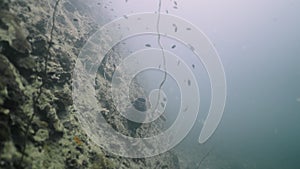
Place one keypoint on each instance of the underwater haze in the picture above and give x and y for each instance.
(164, 84)
(258, 44)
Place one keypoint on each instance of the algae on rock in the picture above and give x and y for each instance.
(12, 32)
(55, 138)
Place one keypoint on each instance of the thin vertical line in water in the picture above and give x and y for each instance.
(162, 51)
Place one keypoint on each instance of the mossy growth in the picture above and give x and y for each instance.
(101, 162)
(12, 31)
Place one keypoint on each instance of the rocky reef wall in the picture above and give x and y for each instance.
(39, 43)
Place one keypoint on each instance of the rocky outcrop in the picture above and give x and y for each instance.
(38, 126)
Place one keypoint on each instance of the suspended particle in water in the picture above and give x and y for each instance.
(175, 7)
(191, 47)
(148, 45)
(167, 11)
(125, 16)
(189, 82)
(175, 27)
(178, 62)
(126, 1)
(188, 29)
(174, 46)
(175, 3)
(193, 65)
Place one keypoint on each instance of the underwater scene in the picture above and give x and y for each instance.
(149, 84)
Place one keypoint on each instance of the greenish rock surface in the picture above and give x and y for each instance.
(41, 135)
(38, 125)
